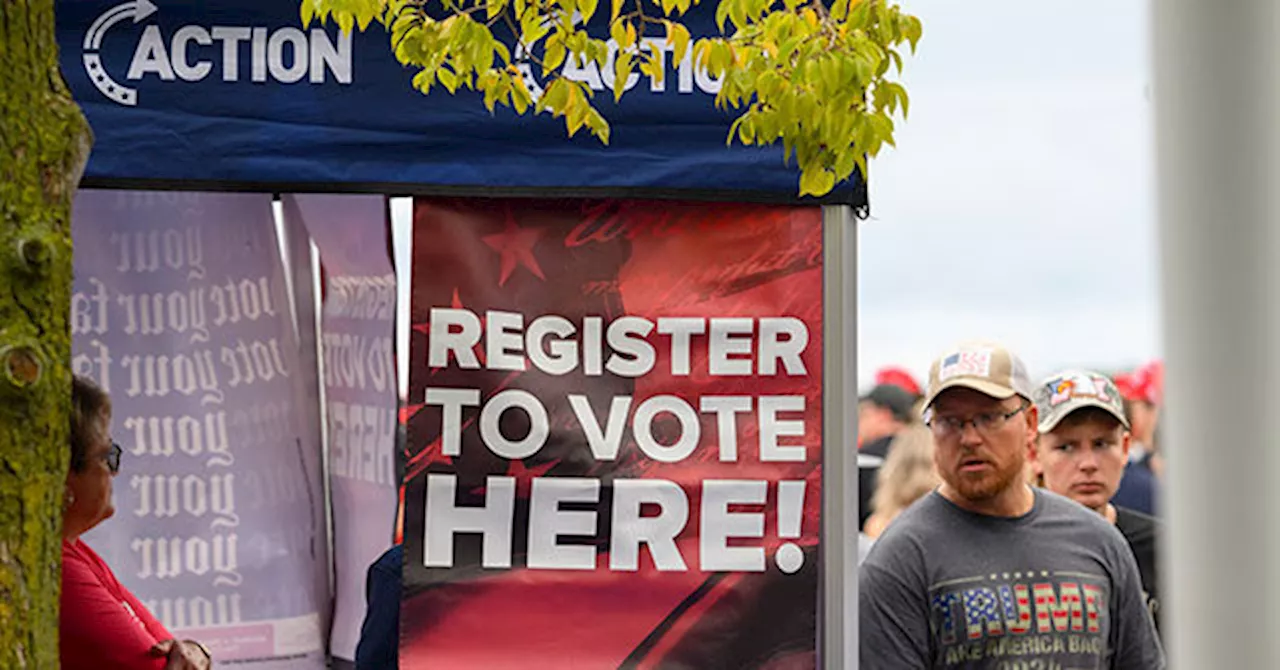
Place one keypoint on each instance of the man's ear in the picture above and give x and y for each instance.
(1033, 457)
(1033, 425)
(1126, 441)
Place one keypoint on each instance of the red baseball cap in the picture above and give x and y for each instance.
(899, 377)
(1145, 383)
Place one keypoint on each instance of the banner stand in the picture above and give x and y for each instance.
(838, 633)
(302, 267)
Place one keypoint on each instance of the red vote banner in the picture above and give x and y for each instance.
(614, 422)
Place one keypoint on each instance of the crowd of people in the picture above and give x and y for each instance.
(1006, 523)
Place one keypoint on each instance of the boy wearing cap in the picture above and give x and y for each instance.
(987, 572)
(1083, 448)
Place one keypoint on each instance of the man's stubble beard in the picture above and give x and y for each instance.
(990, 485)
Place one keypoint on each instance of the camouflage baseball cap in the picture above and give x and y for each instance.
(1070, 390)
(985, 367)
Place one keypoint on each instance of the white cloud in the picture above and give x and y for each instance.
(1019, 204)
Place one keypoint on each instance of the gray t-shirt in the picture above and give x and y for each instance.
(864, 546)
(1054, 589)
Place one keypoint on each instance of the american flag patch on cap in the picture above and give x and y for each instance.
(975, 363)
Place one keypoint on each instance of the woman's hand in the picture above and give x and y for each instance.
(183, 655)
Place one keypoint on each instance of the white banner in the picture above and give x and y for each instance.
(357, 331)
(179, 311)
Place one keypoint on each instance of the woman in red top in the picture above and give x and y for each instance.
(101, 625)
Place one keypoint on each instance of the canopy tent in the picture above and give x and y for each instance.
(238, 95)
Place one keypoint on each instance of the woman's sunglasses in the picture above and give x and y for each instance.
(113, 458)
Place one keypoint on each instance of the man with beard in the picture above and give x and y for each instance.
(987, 572)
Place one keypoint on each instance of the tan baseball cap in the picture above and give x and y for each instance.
(1070, 390)
(985, 367)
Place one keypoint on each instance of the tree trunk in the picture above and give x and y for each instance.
(44, 144)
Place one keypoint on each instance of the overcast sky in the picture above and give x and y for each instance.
(1019, 204)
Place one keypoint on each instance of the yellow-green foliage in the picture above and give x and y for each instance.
(816, 77)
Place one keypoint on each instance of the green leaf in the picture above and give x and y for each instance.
(345, 22)
(484, 56)
(678, 37)
(307, 10)
(423, 81)
(720, 58)
(554, 57)
(816, 182)
(862, 70)
(845, 162)
(448, 79)
(537, 32)
(503, 52)
(597, 51)
(614, 10)
(914, 31)
(618, 31)
(588, 9)
(746, 131)
(859, 13)
(897, 59)
(839, 10)
(737, 12)
(566, 15)
(722, 12)
(520, 98)
(621, 73)
(576, 117)
(599, 127)
(903, 99)
(702, 53)
(733, 129)
(528, 24)
(560, 97)
(490, 97)
(654, 68)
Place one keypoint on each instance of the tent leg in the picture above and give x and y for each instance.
(838, 632)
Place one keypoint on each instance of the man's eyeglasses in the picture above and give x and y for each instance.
(985, 423)
(112, 457)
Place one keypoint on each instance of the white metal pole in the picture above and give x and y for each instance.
(839, 603)
(1217, 86)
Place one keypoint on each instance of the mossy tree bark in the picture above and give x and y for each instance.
(44, 144)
